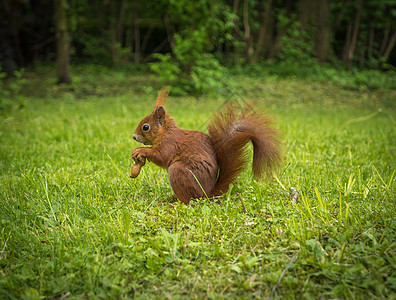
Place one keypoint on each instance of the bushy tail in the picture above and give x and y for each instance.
(231, 130)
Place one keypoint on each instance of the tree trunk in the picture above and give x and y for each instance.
(306, 12)
(388, 43)
(120, 23)
(315, 14)
(137, 43)
(262, 31)
(269, 37)
(237, 31)
(62, 42)
(113, 42)
(247, 36)
(371, 42)
(384, 40)
(347, 44)
(170, 31)
(116, 29)
(355, 33)
(135, 17)
(390, 46)
(322, 42)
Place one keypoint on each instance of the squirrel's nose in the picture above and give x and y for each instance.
(134, 137)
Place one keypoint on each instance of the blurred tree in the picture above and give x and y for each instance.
(263, 31)
(314, 16)
(62, 42)
(352, 36)
(386, 23)
(116, 29)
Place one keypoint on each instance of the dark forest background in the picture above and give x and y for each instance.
(192, 43)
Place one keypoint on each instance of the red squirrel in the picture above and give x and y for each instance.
(201, 165)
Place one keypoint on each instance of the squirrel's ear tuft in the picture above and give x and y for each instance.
(159, 112)
(163, 94)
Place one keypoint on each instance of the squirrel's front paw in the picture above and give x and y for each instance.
(137, 155)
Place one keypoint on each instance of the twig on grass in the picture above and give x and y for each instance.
(163, 269)
(243, 205)
(283, 274)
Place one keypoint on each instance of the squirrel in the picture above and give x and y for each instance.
(201, 165)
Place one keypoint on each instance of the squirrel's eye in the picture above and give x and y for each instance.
(146, 127)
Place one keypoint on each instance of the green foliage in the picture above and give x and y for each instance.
(189, 42)
(89, 32)
(192, 67)
(362, 80)
(96, 49)
(73, 224)
(296, 43)
(206, 75)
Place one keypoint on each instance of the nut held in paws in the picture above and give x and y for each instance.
(135, 170)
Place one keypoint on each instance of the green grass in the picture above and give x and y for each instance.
(74, 225)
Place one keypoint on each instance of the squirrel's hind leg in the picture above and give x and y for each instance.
(185, 184)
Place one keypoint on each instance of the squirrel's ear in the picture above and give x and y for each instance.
(159, 112)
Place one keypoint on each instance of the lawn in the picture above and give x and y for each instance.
(74, 225)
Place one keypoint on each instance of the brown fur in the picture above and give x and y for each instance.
(204, 166)
(230, 132)
(162, 95)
